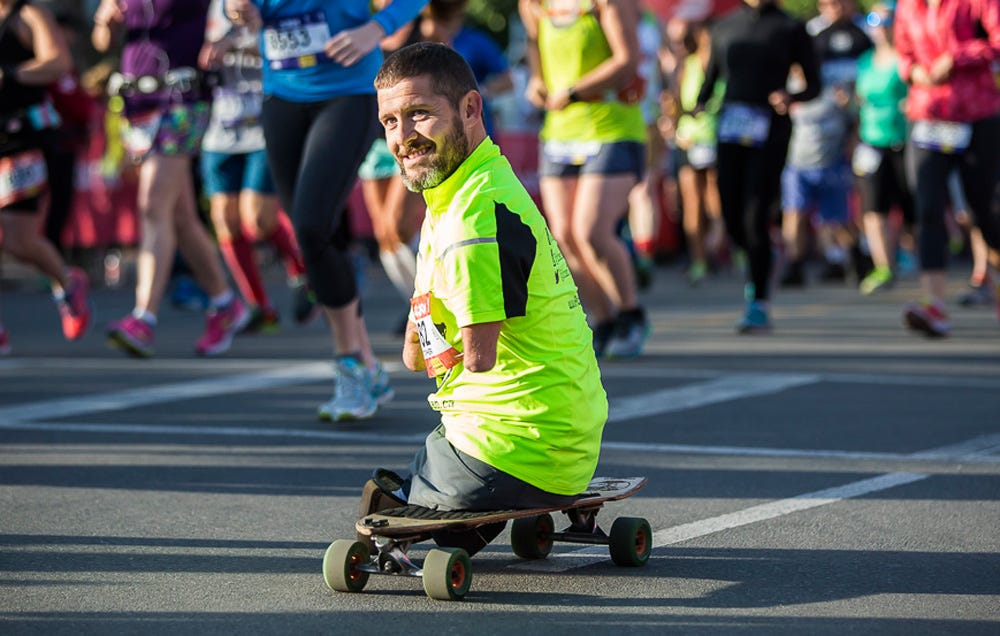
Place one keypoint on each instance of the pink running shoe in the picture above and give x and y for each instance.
(73, 307)
(928, 318)
(220, 327)
(4, 342)
(132, 335)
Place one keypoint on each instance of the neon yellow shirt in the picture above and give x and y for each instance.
(486, 255)
(568, 53)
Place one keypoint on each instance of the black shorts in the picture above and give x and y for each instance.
(887, 186)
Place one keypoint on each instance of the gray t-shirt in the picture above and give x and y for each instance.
(820, 132)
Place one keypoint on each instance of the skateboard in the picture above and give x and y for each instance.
(447, 572)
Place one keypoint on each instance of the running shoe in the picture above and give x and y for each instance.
(73, 306)
(755, 320)
(879, 279)
(631, 330)
(927, 318)
(977, 296)
(304, 306)
(382, 391)
(602, 334)
(697, 273)
(352, 396)
(5, 347)
(220, 327)
(132, 335)
(264, 320)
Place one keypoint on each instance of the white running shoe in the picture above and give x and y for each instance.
(352, 396)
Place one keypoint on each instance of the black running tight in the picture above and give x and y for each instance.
(750, 194)
(978, 168)
(314, 150)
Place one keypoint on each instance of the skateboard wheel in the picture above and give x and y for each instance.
(531, 537)
(340, 566)
(630, 541)
(447, 574)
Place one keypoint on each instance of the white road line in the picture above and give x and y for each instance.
(685, 532)
(964, 451)
(724, 389)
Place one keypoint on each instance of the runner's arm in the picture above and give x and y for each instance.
(479, 342)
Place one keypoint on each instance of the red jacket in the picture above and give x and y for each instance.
(967, 29)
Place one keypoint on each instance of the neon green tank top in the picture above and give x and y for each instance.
(568, 53)
(697, 129)
(486, 255)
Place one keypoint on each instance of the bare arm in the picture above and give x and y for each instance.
(413, 355)
(480, 344)
(52, 59)
(108, 21)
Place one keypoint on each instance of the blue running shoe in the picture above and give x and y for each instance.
(755, 320)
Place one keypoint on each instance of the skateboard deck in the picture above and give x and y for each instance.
(447, 573)
(408, 521)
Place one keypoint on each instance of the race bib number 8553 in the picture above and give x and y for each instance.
(296, 41)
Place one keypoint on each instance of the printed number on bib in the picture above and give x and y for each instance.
(865, 160)
(570, 153)
(296, 41)
(744, 125)
(22, 176)
(439, 354)
(942, 136)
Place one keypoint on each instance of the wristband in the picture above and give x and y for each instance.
(572, 95)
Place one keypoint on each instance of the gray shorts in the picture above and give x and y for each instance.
(444, 478)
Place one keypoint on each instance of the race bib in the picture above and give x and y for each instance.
(236, 109)
(22, 176)
(439, 354)
(701, 156)
(839, 71)
(865, 160)
(140, 132)
(941, 136)
(296, 41)
(570, 153)
(744, 125)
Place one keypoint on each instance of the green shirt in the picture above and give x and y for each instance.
(881, 92)
(485, 255)
(568, 53)
(697, 129)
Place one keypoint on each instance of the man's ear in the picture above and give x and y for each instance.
(471, 107)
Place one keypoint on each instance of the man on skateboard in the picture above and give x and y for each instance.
(495, 319)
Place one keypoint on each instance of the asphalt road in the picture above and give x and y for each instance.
(840, 475)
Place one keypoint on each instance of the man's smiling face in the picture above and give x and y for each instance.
(423, 131)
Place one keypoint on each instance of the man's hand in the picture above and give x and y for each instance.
(536, 93)
(109, 12)
(413, 355)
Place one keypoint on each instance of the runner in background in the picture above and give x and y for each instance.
(33, 54)
(946, 53)
(319, 119)
(584, 59)
(166, 107)
(695, 139)
(877, 160)
(236, 178)
(753, 50)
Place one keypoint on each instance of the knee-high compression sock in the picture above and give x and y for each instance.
(283, 240)
(242, 262)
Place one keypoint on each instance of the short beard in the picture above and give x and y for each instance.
(448, 156)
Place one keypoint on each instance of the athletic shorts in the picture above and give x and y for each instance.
(175, 130)
(225, 173)
(886, 186)
(825, 190)
(619, 157)
(379, 162)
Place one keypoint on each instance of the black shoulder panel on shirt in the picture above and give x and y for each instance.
(516, 244)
